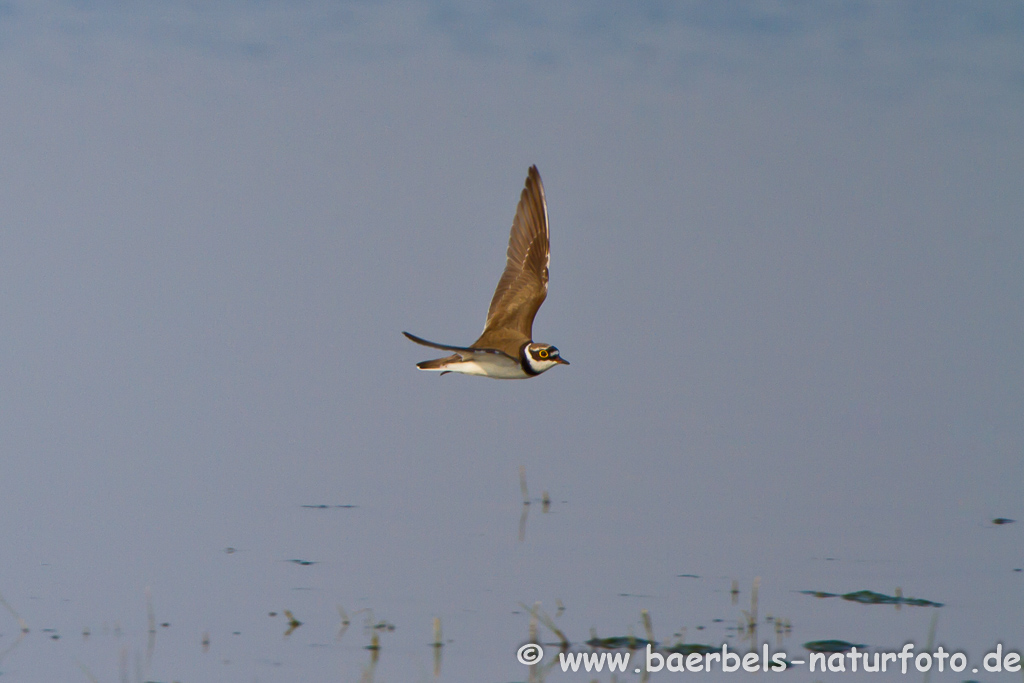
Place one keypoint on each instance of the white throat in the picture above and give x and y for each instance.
(536, 365)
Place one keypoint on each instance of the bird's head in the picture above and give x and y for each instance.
(541, 357)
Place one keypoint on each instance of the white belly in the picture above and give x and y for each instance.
(495, 370)
(483, 364)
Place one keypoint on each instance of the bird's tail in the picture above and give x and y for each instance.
(438, 364)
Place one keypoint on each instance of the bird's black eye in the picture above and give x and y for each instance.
(543, 353)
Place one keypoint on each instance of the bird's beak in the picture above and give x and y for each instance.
(561, 360)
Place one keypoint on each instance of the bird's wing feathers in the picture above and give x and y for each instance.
(524, 284)
(435, 345)
(461, 352)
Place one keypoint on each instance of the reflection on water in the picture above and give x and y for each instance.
(787, 253)
(830, 645)
(545, 501)
(437, 644)
(345, 506)
(303, 563)
(742, 626)
(293, 623)
(866, 597)
(741, 629)
(23, 630)
(745, 620)
(344, 623)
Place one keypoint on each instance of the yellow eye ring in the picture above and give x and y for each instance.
(543, 353)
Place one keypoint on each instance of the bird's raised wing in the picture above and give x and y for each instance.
(524, 284)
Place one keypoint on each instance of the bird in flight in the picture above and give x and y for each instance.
(506, 349)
